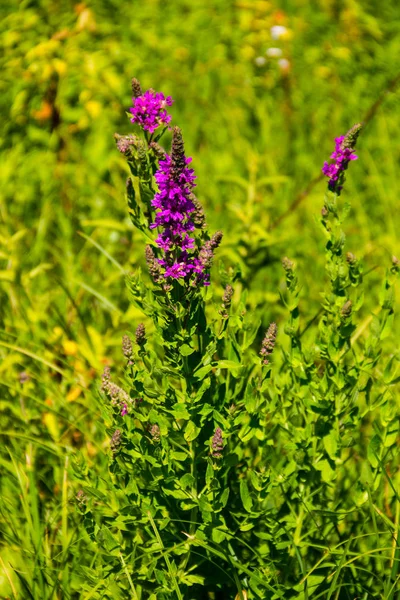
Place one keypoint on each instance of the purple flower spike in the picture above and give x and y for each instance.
(177, 213)
(342, 155)
(149, 110)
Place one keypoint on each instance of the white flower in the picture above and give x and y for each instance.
(274, 52)
(277, 31)
(284, 64)
(260, 61)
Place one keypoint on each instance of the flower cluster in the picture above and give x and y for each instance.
(149, 110)
(155, 433)
(342, 155)
(217, 443)
(127, 349)
(226, 301)
(140, 335)
(268, 343)
(178, 213)
(115, 441)
(117, 395)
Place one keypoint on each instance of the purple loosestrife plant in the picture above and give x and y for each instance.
(227, 469)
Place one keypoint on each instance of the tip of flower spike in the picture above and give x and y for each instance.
(342, 156)
(351, 137)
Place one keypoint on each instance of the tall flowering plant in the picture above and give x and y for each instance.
(227, 457)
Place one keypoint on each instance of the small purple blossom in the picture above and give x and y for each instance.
(217, 444)
(342, 155)
(149, 110)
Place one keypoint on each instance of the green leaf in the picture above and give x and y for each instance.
(245, 496)
(209, 473)
(227, 364)
(187, 480)
(326, 470)
(186, 350)
(224, 498)
(202, 372)
(218, 535)
(193, 579)
(191, 431)
(331, 444)
(373, 451)
(180, 411)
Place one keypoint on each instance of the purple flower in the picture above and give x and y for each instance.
(217, 444)
(178, 214)
(342, 155)
(149, 110)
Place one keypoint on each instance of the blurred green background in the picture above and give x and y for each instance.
(261, 89)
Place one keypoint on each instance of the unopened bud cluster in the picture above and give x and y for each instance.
(217, 444)
(226, 301)
(268, 343)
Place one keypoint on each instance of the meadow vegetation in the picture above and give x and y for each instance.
(221, 456)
